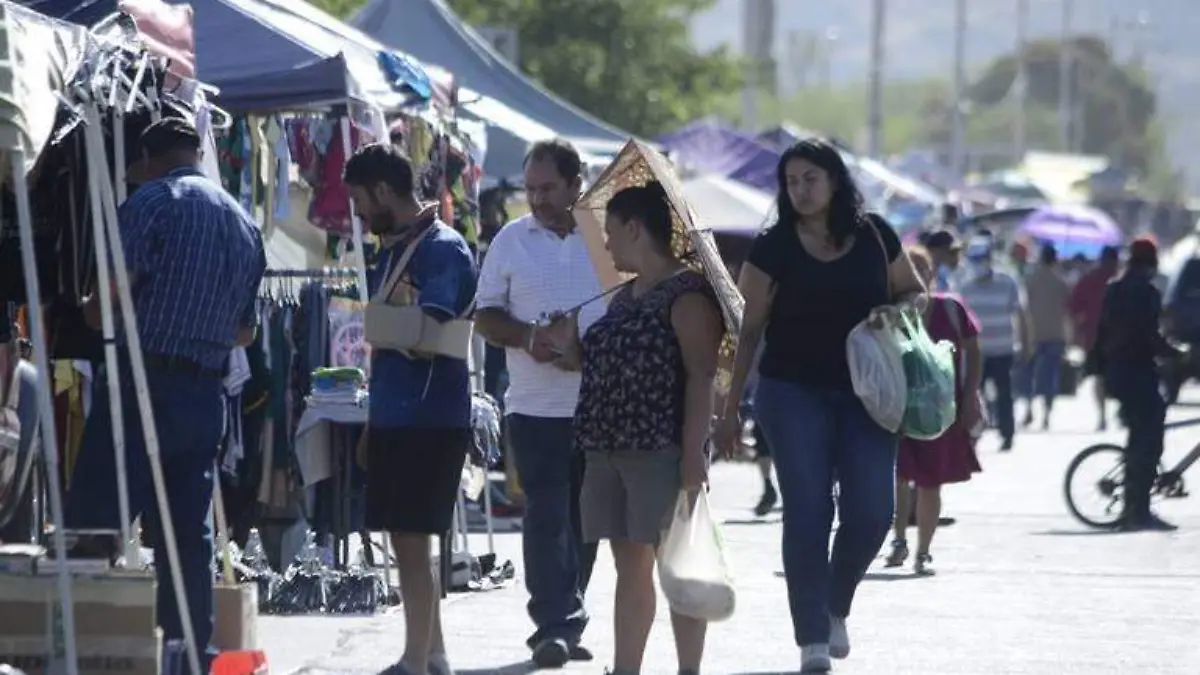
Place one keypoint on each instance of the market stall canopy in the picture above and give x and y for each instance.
(726, 206)
(711, 147)
(431, 32)
(270, 55)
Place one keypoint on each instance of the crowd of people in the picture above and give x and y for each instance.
(610, 399)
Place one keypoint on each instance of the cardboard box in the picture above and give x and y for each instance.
(235, 620)
(116, 630)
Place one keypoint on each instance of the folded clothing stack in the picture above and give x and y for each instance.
(337, 386)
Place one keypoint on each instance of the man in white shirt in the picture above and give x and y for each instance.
(537, 266)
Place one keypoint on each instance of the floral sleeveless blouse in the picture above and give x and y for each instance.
(632, 391)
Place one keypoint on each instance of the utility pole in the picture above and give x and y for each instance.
(958, 131)
(875, 94)
(1021, 86)
(1066, 63)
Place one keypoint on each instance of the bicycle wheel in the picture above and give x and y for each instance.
(1095, 485)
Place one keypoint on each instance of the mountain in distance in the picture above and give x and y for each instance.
(920, 43)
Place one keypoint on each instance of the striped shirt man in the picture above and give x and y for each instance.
(998, 301)
(198, 259)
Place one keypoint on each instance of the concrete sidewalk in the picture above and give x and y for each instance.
(1021, 589)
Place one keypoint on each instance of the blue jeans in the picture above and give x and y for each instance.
(189, 416)
(558, 565)
(999, 370)
(1046, 369)
(818, 436)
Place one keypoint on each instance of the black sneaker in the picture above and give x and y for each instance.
(580, 653)
(553, 653)
(767, 502)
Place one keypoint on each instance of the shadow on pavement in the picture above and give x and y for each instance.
(752, 521)
(887, 576)
(1075, 533)
(523, 668)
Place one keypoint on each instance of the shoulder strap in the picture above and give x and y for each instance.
(388, 288)
(873, 221)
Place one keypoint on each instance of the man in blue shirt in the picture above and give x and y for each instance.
(418, 431)
(195, 260)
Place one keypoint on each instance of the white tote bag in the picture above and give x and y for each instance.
(877, 372)
(692, 569)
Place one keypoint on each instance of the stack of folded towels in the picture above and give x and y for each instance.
(337, 386)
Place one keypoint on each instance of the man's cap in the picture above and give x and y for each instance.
(170, 133)
(943, 239)
(1143, 250)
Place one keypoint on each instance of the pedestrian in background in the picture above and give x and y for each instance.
(822, 268)
(1084, 305)
(923, 467)
(998, 301)
(537, 266)
(1049, 297)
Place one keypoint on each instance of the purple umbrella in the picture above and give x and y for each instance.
(1071, 225)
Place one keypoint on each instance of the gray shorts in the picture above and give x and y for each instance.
(629, 496)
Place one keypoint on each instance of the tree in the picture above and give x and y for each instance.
(628, 62)
(1118, 106)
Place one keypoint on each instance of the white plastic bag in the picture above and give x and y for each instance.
(692, 569)
(877, 372)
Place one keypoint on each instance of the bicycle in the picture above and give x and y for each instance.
(1168, 484)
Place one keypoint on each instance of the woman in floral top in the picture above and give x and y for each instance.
(644, 408)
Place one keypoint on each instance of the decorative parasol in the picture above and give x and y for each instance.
(636, 165)
(1072, 229)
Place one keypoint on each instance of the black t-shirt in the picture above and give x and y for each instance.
(817, 303)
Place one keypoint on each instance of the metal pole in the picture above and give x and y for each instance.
(752, 67)
(1065, 63)
(41, 361)
(875, 93)
(958, 130)
(1021, 86)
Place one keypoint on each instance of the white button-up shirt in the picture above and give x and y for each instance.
(529, 271)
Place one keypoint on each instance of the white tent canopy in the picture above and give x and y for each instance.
(727, 206)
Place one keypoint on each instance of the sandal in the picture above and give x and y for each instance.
(922, 566)
(898, 555)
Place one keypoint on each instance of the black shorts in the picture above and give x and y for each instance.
(413, 477)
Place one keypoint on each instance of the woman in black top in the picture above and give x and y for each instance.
(645, 404)
(820, 270)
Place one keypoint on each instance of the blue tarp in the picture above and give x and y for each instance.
(710, 147)
(267, 55)
(431, 32)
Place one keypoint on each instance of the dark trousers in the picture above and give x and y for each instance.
(189, 416)
(818, 436)
(1139, 392)
(999, 371)
(558, 565)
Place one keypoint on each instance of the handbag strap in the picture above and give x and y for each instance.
(388, 288)
(873, 221)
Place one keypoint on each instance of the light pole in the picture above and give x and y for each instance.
(1066, 62)
(958, 132)
(1021, 85)
(875, 93)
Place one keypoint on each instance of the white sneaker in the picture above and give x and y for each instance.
(839, 638)
(814, 658)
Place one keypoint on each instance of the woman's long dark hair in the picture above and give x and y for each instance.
(846, 213)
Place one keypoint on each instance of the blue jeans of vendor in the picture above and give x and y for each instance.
(190, 420)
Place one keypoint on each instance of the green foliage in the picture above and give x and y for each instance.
(1118, 105)
(628, 62)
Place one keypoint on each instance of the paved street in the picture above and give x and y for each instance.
(1021, 589)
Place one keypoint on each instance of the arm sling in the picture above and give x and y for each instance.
(406, 327)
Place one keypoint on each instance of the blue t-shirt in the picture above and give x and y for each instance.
(424, 392)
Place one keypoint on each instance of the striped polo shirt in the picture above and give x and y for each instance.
(997, 300)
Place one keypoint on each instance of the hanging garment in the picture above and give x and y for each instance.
(330, 208)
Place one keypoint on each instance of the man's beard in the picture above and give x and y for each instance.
(382, 222)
